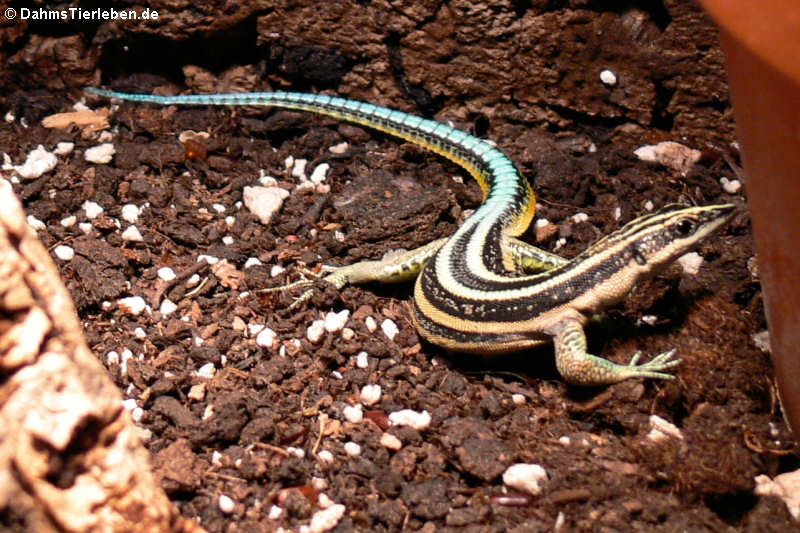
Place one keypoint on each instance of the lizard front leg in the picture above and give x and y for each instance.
(579, 367)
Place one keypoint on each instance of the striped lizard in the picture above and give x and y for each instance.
(483, 290)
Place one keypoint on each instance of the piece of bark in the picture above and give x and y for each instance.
(70, 459)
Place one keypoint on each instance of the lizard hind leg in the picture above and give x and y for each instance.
(393, 268)
(530, 259)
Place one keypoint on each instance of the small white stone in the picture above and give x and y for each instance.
(300, 453)
(409, 417)
(139, 333)
(112, 358)
(299, 168)
(362, 360)
(353, 413)
(390, 442)
(730, 186)
(352, 449)
(132, 234)
(166, 273)
(275, 512)
(518, 399)
(337, 375)
(617, 213)
(339, 236)
(197, 392)
(266, 180)
(207, 371)
(167, 307)
(669, 154)
(335, 321)
(761, 340)
(661, 429)
(210, 259)
(608, 77)
(276, 270)
(348, 334)
(561, 519)
(9, 117)
(650, 320)
(389, 328)
(130, 213)
(580, 217)
(251, 262)
(266, 338)
(319, 483)
(315, 331)
(38, 162)
(92, 209)
(264, 202)
(69, 221)
(85, 227)
(129, 404)
(319, 173)
(525, 477)
(227, 240)
(370, 394)
(564, 441)
(230, 220)
(691, 263)
(542, 223)
(326, 519)
(304, 186)
(326, 456)
(64, 252)
(371, 324)
(137, 414)
(784, 486)
(100, 154)
(339, 148)
(323, 501)
(132, 305)
(35, 223)
(216, 458)
(648, 205)
(193, 280)
(208, 412)
(226, 504)
(219, 208)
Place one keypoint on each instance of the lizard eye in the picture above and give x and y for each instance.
(684, 227)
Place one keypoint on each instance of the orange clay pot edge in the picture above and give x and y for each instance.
(770, 29)
(762, 45)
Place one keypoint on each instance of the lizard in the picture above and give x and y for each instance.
(484, 290)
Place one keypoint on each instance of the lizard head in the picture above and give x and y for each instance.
(655, 240)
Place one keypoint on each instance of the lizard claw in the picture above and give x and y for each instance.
(653, 368)
(293, 285)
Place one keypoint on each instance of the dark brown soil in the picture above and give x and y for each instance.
(525, 74)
